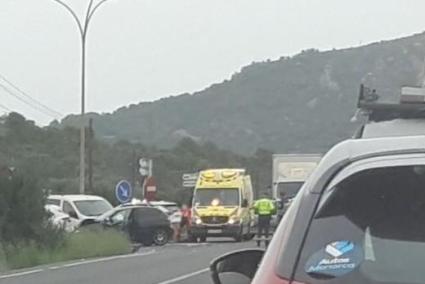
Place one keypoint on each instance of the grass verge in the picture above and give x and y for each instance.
(84, 244)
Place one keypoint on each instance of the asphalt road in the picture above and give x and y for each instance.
(171, 264)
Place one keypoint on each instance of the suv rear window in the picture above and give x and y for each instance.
(370, 228)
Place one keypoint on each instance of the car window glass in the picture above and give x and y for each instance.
(67, 207)
(148, 215)
(373, 163)
(368, 229)
(225, 196)
(120, 217)
(93, 207)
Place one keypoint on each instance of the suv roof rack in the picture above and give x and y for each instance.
(410, 106)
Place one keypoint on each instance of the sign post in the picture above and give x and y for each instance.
(123, 192)
(145, 171)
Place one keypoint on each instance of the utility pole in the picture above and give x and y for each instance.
(150, 167)
(90, 154)
(83, 29)
(134, 164)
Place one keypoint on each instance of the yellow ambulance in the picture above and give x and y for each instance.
(221, 207)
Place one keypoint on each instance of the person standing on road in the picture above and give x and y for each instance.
(264, 208)
(185, 221)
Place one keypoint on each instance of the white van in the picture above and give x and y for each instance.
(80, 207)
(59, 219)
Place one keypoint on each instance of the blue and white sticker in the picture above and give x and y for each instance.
(335, 260)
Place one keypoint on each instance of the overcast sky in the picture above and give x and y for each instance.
(142, 50)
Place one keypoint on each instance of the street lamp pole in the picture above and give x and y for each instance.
(83, 29)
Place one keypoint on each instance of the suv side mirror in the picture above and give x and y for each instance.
(236, 267)
(245, 203)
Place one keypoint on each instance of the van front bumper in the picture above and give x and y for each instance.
(225, 230)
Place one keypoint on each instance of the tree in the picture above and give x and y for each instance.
(22, 214)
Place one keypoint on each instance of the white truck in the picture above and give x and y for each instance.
(290, 171)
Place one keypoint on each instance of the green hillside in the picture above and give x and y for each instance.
(51, 155)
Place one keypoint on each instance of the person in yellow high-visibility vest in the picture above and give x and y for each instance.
(264, 208)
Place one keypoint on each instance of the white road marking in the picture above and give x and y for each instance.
(186, 276)
(188, 245)
(20, 273)
(105, 259)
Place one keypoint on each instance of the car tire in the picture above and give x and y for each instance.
(160, 237)
(203, 239)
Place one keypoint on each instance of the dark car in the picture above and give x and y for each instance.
(358, 219)
(143, 224)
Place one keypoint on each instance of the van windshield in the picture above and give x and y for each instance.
(92, 207)
(218, 196)
(287, 190)
(369, 229)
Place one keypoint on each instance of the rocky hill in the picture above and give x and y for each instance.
(295, 104)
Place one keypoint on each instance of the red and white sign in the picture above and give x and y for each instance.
(150, 189)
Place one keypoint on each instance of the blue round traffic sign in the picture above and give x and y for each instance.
(124, 191)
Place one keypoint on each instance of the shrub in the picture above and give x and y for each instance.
(22, 215)
(80, 245)
(3, 265)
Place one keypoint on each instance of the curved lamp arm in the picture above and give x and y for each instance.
(74, 15)
(92, 11)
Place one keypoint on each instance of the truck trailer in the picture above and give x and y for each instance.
(290, 171)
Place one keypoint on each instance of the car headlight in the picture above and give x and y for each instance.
(233, 220)
(197, 220)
